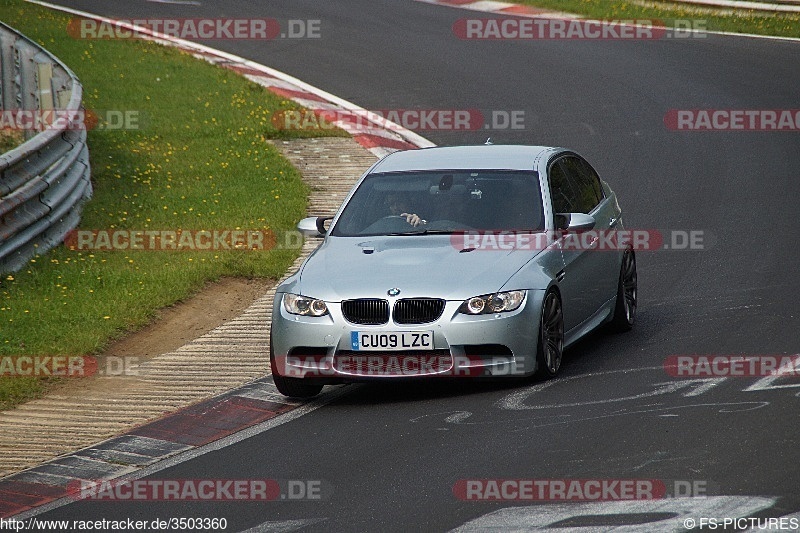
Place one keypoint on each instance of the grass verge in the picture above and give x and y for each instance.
(10, 139)
(753, 22)
(198, 160)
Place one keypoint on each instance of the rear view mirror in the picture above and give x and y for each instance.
(313, 226)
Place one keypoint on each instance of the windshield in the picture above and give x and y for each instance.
(401, 203)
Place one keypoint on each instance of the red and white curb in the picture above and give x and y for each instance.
(502, 8)
(375, 133)
(190, 432)
(192, 427)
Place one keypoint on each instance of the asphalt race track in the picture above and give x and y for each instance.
(387, 458)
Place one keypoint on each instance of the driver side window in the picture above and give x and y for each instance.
(560, 190)
(574, 187)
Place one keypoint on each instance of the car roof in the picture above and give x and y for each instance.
(479, 157)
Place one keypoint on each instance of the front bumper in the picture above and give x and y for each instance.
(491, 345)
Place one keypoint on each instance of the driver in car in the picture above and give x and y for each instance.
(399, 206)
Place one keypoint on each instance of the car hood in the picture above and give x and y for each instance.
(423, 265)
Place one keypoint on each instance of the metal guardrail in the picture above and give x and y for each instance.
(44, 181)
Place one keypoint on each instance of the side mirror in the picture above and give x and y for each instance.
(313, 226)
(575, 222)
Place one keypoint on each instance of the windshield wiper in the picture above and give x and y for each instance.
(423, 232)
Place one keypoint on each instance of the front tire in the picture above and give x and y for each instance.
(627, 294)
(550, 349)
(292, 387)
(295, 387)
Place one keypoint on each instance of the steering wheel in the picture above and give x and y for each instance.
(392, 217)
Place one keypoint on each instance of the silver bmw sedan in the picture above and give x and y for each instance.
(466, 261)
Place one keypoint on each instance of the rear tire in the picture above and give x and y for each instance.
(627, 294)
(550, 348)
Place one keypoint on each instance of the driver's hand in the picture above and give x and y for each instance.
(413, 219)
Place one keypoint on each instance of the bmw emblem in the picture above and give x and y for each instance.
(393, 292)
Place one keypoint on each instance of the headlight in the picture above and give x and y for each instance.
(498, 302)
(303, 305)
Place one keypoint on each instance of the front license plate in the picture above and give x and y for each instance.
(391, 341)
